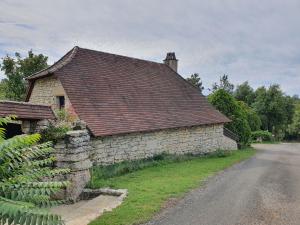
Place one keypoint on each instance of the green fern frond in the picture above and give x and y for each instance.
(14, 212)
(2, 133)
(4, 121)
(7, 119)
(28, 174)
(13, 146)
(26, 183)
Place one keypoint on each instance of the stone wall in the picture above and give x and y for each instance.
(73, 153)
(77, 151)
(45, 91)
(229, 143)
(195, 140)
(34, 126)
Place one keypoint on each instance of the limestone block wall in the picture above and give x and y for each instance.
(229, 143)
(45, 91)
(195, 140)
(73, 153)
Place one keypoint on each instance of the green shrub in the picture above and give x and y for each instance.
(25, 189)
(230, 107)
(262, 135)
(252, 117)
(220, 153)
(66, 115)
(54, 133)
(58, 129)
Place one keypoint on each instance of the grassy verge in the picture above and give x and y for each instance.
(118, 169)
(150, 187)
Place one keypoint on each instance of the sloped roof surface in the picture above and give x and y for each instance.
(25, 110)
(116, 94)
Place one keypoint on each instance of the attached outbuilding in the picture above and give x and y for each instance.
(30, 118)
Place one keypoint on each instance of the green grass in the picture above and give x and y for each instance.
(267, 142)
(151, 187)
(118, 169)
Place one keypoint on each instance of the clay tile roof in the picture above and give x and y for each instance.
(116, 94)
(24, 110)
(56, 66)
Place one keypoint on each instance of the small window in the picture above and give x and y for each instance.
(61, 102)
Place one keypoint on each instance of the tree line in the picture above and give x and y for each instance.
(265, 112)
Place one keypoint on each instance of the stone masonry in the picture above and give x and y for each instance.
(73, 153)
(34, 126)
(194, 140)
(78, 151)
(45, 91)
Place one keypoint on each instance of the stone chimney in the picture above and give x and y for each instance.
(171, 61)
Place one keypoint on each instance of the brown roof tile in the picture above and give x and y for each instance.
(25, 110)
(117, 94)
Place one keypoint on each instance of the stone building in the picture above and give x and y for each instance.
(133, 108)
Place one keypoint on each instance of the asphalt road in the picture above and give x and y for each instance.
(264, 190)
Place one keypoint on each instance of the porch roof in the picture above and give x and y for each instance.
(25, 110)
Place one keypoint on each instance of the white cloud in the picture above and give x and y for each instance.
(249, 40)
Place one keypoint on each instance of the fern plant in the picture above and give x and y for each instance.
(25, 180)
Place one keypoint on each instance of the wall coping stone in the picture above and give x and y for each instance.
(77, 133)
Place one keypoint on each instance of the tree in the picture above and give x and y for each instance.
(230, 107)
(274, 108)
(25, 171)
(252, 117)
(224, 84)
(195, 80)
(2, 89)
(245, 93)
(17, 69)
(293, 131)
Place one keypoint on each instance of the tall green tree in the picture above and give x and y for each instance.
(274, 108)
(244, 92)
(224, 84)
(16, 69)
(230, 107)
(2, 89)
(293, 131)
(195, 80)
(251, 116)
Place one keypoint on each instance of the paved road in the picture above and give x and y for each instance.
(264, 190)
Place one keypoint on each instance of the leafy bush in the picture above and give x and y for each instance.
(220, 153)
(252, 117)
(66, 115)
(262, 135)
(54, 133)
(253, 120)
(230, 107)
(58, 129)
(24, 192)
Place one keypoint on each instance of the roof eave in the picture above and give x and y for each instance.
(56, 66)
(50, 70)
(156, 130)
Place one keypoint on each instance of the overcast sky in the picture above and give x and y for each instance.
(252, 40)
